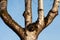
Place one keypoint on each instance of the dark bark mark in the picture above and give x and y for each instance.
(53, 11)
(40, 9)
(26, 13)
(32, 27)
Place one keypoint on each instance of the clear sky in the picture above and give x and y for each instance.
(16, 9)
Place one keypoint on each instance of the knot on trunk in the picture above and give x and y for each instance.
(32, 27)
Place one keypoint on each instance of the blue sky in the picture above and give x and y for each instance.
(16, 8)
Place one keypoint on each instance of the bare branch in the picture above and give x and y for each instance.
(3, 4)
(11, 23)
(40, 21)
(8, 20)
(28, 12)
(52, 13)
(40, 12)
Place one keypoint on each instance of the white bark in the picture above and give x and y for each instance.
(31, 30)
(40, 12)
(28, 12)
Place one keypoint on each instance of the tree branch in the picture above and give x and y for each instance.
(9, 21)
(28, 12)
(52, 13)
(40, 21)
(40, 12)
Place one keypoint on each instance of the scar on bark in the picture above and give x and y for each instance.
(32, 27)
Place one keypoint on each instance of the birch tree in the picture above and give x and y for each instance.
(31, 30)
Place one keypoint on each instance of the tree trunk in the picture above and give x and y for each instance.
(31, 30)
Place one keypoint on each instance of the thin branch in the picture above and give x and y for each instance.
(40, 12)
(28, 12)
(52, 13)
(40, 20)
(9, 21)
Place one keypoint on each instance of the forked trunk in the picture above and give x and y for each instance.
(31, 30)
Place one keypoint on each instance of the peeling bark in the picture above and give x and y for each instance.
(31, 30)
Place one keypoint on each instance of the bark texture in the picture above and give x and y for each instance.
(31, 30)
